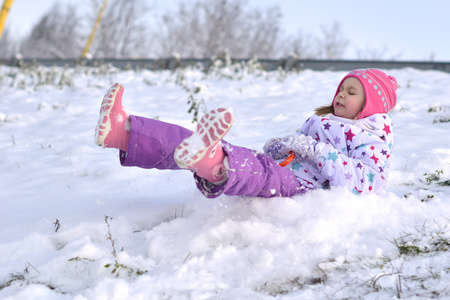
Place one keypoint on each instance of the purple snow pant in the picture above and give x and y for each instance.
(152, 145)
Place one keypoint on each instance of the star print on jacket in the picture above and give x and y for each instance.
(352, 153)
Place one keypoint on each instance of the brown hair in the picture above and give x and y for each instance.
(324, 110)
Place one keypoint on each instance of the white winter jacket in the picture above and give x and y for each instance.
(343, 152)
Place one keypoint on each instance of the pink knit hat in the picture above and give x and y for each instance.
(379, 89)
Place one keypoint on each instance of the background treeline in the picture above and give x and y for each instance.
(195, 29)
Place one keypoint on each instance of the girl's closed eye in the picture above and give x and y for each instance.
(352, 91)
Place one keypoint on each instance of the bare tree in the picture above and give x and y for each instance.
(300, 45)
(207, 27)
(376, 54)
(333, 43)
(56, 35)
(262, 32)
(8, 45)
(122, 33)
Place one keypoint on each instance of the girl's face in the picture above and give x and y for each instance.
(349, 102)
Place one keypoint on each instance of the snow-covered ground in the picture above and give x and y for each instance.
(74, 224)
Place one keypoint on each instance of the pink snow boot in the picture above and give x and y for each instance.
(202, 151)
(111, 130)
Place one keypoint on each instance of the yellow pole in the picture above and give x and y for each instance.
(4, 14)
(94, 29)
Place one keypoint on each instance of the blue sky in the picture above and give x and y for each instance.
(405, 29)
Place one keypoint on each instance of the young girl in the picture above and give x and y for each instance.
(347, 143)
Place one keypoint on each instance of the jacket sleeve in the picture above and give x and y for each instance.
(348, 155)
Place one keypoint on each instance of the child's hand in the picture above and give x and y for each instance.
(302, 145)
(276, 148)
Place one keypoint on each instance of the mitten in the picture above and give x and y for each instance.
(276, 148)
(303, 146)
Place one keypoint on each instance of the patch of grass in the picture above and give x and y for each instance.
(13, 277)
(431, 177)
(435, 177)
(441, 119)
(117, 267)
(439, 108)
(25, 278)
(422, 242)
(428, 198)
(409, 249)
(444, 183)
(195, 106)
(57, 225)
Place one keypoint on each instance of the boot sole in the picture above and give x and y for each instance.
(104, 123)
(210, 130)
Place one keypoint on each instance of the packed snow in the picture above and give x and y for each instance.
(74, 224)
